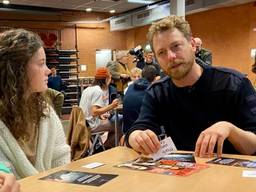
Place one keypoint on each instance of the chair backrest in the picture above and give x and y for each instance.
(78, 134)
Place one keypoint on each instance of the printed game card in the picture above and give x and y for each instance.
(77, 177)
(180, 164)
(167, 146)
(233, 162)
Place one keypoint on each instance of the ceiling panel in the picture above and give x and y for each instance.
(105, 5)
(97, 5)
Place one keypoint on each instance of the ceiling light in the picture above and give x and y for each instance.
(88, 9)
(141, 1)
(112, 11)
(6, 2)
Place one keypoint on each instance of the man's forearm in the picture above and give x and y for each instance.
(243, 141)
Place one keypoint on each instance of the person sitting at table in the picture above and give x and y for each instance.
(32, 138)
(200, 106)
(94, 105)
(55, 81)
(135, 75)
(135, 94)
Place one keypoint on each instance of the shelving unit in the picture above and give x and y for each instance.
(66, 62)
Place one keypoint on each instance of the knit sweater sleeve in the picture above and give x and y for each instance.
(61, 151)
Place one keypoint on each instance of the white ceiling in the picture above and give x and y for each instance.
(119, 6)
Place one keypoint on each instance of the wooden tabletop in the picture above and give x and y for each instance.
(216, 178)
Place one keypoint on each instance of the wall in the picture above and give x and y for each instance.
(95, 37)
(227, 33)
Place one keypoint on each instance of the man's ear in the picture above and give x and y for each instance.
(193, 44)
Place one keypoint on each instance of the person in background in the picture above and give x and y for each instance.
(55, 81)
(8, 183)
(135, 75)
(202, 53)
(119, 70)
(31, 134)
(94, 103)
(135, 94)
(201, 107)
(149, 59)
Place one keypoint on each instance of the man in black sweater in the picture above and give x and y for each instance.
(201, 107)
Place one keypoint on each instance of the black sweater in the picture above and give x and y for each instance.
(220, 94)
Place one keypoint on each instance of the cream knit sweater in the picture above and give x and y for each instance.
(52, 150)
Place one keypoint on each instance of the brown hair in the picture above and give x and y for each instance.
(17, 47)
(169, 23)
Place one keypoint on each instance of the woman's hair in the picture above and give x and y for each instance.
(18, 110)
(169, 23)
(100, 82)
(136, 71)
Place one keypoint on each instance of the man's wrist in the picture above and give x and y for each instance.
(126, 141)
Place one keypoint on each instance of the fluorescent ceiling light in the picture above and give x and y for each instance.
(141, 1)
(6, 2)
(112, 11)
(88, 9)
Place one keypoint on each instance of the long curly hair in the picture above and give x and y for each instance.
(17, 110)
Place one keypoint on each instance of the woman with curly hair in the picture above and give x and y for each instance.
(31, 135)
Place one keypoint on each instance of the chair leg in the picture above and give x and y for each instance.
(94, 139)
(101, 143)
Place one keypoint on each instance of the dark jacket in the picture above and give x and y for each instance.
(132, 102)
(205, 55)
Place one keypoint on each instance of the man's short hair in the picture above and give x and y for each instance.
(120, 54)
(169, 23)
(149, 72)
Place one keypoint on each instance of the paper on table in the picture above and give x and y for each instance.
(167, 146)
(92, 165)
(249, 173)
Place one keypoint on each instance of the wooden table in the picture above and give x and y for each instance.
(216, 178)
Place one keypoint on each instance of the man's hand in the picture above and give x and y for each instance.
(145, 142)
(114, 103)
(208, 138)
(8, 183)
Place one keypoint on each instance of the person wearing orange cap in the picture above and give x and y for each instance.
(94, 103)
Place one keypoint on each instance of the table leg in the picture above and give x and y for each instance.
(116, 127)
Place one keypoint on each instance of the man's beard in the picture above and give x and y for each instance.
(182, 70)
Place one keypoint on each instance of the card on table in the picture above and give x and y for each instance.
(93, 165)
(249, 173)
(77, 177)
(233, 162)
(181, 164)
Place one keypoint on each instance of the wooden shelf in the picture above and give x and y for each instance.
(66, 63)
